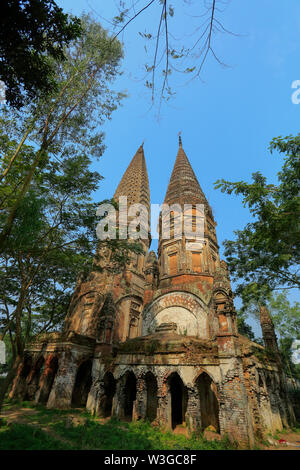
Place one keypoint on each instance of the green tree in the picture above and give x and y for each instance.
(243, 327)
(285, 315)
(52, 240)
(265, 255)
(286, 318)
(46, 192)
(32, 31)
(285, 348)
(71, 116)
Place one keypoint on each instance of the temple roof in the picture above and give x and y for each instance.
(134, 183)
(184, 187)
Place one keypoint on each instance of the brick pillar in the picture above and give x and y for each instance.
(234, 415)
(163, 403)
(140, 403)
(193, 413)
(46, 379)
(62, 389)
(95, 396)
(19, 385)
(117, 409)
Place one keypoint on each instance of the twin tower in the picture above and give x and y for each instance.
(159, 340)
(175, 290)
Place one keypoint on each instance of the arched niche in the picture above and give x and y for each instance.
(83, 383)
(208, 402)
(106, 400)
(128, 395)
(178, 398)
(151, 390)
(183, 308)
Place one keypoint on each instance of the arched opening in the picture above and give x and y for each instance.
(48, 380)
(178, 395)
(106, 401)
(27, 364)
(209, 406)
(151, 387)
(129, 395)
(33, 385)
(83, 383)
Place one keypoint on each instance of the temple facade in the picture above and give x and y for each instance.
(159, 341)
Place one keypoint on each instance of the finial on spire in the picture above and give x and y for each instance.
(141, 147)
(180, 140)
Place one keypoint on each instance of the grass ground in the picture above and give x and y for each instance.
(29, 427)
(33, 427)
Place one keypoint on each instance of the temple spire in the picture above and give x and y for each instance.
(184, 187)
(268, 329)
(134, 183)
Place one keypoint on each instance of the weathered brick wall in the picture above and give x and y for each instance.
(234, 411)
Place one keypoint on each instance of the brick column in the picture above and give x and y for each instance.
(193, 413)
(234, 415)
(117, 409)
(62, 389)
(140, 403)
(96, 393)
(163, 403)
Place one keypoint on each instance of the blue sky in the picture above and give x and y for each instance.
(227, 121)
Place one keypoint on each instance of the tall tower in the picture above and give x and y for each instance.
(182, 282)
(128, 289)
(268, 330)
(176, 256)
(106, 306)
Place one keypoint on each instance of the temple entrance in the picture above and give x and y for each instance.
(26, 368)
(106, 401)
(178, 395)
(83, 383)
(48, 380)
(209, 406)
(151, 386)
(129, 395)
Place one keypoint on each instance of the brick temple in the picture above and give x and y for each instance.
(159, 341)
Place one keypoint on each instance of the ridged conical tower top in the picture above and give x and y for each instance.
(268, 330)
(134, 183)
(184, 187)
(265, 317)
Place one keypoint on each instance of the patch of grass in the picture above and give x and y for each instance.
(132, 436)
(296, 428)
(13, 403)
(51, 429)
(26, 437)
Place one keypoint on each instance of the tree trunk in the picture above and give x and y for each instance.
(8, 379)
